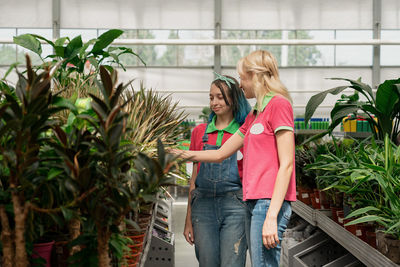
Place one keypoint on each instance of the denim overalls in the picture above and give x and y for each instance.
(218, 213)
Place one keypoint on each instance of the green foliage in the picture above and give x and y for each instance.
(152, 116)
(205, 113)
(75, 55)
(385, 106)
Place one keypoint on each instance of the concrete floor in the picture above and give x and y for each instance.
(184, 253)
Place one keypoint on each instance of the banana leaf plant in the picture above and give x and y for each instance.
(385, 106)
(26, 114)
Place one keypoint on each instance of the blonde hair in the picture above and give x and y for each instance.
(263, 67)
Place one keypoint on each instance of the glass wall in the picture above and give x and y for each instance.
(186, 71)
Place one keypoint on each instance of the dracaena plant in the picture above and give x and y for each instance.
(26, 114)
(385, 106)
(112, 198)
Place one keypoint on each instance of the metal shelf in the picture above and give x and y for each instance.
(361, 250)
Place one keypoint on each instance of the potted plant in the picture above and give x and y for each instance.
(382, 206)
(384, 106)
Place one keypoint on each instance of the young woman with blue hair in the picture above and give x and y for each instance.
(216, 214)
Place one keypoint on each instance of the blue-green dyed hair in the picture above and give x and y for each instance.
(240, 105)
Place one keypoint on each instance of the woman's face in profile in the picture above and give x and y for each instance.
(246, 85)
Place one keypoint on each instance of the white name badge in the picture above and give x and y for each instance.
(257, 128)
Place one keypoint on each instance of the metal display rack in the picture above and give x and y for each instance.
(160, 242)
(358, 248)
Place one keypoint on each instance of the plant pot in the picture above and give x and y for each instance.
(340, 217)
(304, 195)
(388, 246)
(43, 250)
(315, 200)
(350, 228)
(338, 199)
(335, 213)
(324, 199)
(371, 238)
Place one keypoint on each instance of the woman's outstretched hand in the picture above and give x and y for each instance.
(184, 154)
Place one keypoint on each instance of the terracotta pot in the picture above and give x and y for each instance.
(350, 228)
(137, 238)
(388, 246)
(340, 217)
(43, 250)
(323, 197)
(315, 200)
(334, 213)
(136, 248)
(304, 195)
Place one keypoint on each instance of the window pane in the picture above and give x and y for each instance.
(315, 55)
(354, 55)
(8, 52)
(46, 33)
(390, 54)
(230, 54)
(86, 34)
(196, 55)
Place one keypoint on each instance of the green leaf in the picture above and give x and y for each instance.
(12, 66)
(368, 218)
(105, 40)
(73, 47)
(44, 39)
(29, 42)
(65, 103)
(342, 110)
(68, 214)
(317, 99)
(362, 211)
(60, 41)
(53, 173)
(387, 97)
(359, 86)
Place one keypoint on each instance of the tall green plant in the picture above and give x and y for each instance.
(26, 114)
(385, 106)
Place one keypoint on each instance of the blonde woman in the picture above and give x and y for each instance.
(267, 139)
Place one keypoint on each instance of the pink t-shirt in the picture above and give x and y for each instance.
(261, 162)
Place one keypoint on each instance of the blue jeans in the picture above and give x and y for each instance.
(219, 230)
(260, 255)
